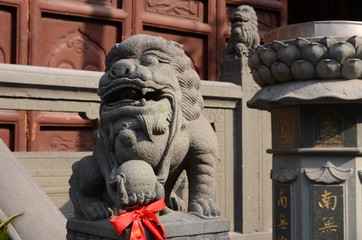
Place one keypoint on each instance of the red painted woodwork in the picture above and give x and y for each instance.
(60, 131)
(77, 34)
(13, 129)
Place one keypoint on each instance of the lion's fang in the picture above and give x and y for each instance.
(143, 102)
(144, 91)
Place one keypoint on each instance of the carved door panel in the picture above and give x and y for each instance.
(73, 35)
(13, 34)
(60, 131)
(189, 22)
(75, 40)
(13, 129)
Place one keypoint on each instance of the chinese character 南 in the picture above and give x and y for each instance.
(283, 200)
(328, 201)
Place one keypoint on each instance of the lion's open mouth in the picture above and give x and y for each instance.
(133, 95)
(239, 19)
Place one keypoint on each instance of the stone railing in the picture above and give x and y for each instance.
(50, 89)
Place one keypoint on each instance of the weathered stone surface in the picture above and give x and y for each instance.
(20, 193)
(253, 165)
(244, 33)
(151, 129)
(316, 142)
(305, 92)
(178, 226)
(293, 61)
(51, 170)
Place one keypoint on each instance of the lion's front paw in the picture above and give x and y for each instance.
(204, 207)
(95, 209)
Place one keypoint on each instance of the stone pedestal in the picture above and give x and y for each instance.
(316, 135)
(317, 191)
(178, 225)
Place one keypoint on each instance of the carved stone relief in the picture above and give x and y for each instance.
(216, 118)
(303, 59)
(286, 137)
(244, 33)
(184, 8)
(77, 51)
(328, 129)
(328, 174)
(286, 127)
(59, 143)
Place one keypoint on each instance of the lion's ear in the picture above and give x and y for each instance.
(112, 54)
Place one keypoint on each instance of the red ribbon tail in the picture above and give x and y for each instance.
(158, 231)
(137, 231)
(121, 222)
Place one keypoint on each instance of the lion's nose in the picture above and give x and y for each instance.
(122, 68)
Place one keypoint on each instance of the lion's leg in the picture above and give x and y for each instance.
(87, 186)
(201, 176)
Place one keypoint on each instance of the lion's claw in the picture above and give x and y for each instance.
(95, 209)
(204, 207)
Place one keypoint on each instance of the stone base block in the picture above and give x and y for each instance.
(178, 225)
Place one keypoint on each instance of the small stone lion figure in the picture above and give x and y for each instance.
(150, 111)
(244, 33)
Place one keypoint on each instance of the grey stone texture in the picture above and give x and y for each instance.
(20, 193)
(248, 209)
(244, 33)
(316, 143)
(51, 170)
(150, 111)
(302, 59)
(253, 132)
(178, 226)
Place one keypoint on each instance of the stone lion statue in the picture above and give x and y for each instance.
(244, 33)
(150, 113)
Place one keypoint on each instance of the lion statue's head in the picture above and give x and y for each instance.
(244, 32)
(148, 93)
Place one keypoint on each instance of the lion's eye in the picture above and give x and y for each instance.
(149, 60)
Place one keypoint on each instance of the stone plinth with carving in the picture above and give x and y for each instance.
(150, 131)
(313, 88)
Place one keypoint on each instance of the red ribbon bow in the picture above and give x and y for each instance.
(143, 215)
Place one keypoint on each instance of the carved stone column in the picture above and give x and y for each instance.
(313, 88)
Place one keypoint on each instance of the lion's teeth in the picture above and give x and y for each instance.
(144, 91)
(143, 102)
